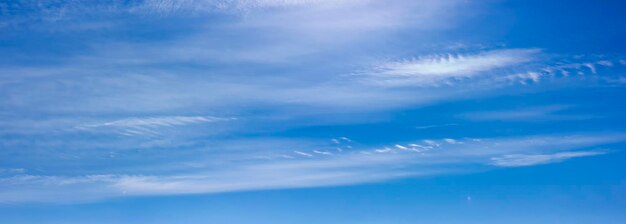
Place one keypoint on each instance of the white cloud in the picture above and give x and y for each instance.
(617, 80)
(12, 171)
(346, 139)
(452, 141)
(400, 147)
(148, 125)
(239, 6)
(214, 72)
(222, 171)
(439, 68)
(486, 68)
(516, 160)
(323, 153)
(537, 113)
(555, 70)
(435, 126)
(303, 153)
(153, 122)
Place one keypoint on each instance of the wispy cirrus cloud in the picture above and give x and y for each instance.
(557, 70)
(436, 126)
(434, 69)
(530, 113)
(486, 67)
(312, 167)
(516, 160)
(155, 122)
(254, 59)
(148, 125)
(240, 6)
(10, 171)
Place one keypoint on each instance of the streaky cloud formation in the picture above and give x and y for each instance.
(149, 125)
(433, 69)
(310, 168)
(492, 67)
(516, 160)
(102, 101)
(542, 113)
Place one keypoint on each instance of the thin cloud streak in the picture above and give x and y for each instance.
(401, 160)
(517, 160)
(149, 125)
(533, 113)
(154, 122)
(433, 69)
(101, 108)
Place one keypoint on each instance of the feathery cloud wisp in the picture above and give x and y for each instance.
(148, 125)
(433, 69)
(225, 173)
(157, 121)
(538, 113)
(515, 160)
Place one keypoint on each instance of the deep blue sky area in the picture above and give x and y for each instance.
(312, 111)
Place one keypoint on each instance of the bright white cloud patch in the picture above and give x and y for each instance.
(434, 69)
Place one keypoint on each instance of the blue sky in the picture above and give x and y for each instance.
(312, 111)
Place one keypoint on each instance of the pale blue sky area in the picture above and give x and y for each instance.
(312, 111)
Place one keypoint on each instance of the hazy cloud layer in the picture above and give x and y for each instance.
(124, 98)
(305, 167)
